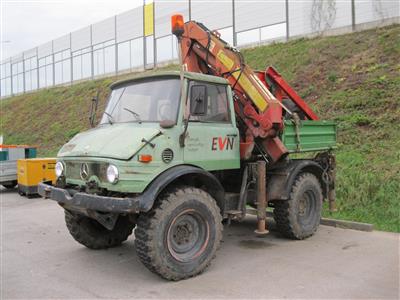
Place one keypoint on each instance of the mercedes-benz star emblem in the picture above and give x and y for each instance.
(84, 171)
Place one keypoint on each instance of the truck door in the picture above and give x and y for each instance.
(213, 139)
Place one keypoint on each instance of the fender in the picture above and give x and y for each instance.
(281, 179)
(186, 174)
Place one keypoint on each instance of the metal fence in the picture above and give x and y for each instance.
(141, 38)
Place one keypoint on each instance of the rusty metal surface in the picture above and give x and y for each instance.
(261, 198)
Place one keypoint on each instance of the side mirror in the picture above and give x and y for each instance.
(198, 100)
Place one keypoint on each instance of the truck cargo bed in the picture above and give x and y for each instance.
(310, 136)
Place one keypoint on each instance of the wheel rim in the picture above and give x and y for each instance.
(307, 204)
(188, 235)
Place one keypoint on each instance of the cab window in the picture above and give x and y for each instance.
(148, 100)
(217, 104)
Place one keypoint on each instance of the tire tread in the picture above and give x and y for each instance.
(285, 210)
(146, 229)
(122, 230)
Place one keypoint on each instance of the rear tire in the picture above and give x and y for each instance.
(299, 217)
(93, 235)
(179, 237)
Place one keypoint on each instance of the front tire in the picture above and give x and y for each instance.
(179, 237)
(299, 217)
(93, 235)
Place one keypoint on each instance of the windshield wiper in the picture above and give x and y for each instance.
(136, 115)
(109, 118)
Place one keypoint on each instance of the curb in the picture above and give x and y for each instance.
(347, 224)
(331, 222)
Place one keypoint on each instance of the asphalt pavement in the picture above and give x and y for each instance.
(39, 259)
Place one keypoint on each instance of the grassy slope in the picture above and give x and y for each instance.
(353, 79)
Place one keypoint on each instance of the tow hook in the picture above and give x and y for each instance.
(108, 220)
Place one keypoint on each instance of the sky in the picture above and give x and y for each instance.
(26, 24)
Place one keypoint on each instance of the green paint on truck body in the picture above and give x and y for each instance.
(312, 136)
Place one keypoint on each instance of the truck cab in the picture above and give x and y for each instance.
(136, 138)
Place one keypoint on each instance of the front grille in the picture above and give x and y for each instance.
(73, 169)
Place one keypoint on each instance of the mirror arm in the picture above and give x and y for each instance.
(93, 109)
(91, 113)
(182, 137)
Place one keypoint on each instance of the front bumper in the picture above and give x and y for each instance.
(84, 201)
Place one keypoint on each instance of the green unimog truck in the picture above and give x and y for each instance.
(146, 167)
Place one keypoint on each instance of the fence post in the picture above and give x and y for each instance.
(11, 76)
(37, 68)
(23, 72)
(91, 53)
(116, 45)
(52, 61)
(190, 10)
(144, 37)
(71, 58)
(130, 55)
(287, 19)
(234, 23)
(353, 15)
(154, 36)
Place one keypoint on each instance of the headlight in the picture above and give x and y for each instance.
(112, 174)
(59, 168)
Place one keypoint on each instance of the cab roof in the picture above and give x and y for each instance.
(189, 75)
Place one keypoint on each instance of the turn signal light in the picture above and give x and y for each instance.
(177, 25)
(145, 158)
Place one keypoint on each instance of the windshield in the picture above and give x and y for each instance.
(146, 101)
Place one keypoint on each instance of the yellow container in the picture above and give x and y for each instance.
(32, 171)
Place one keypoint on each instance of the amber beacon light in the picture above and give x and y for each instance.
(177, 25)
